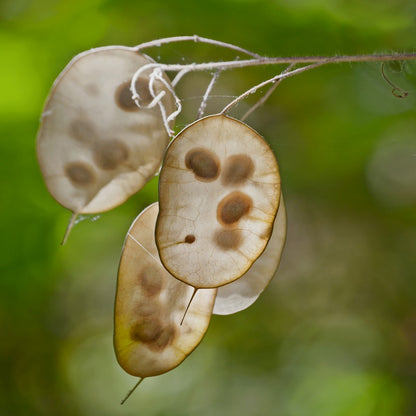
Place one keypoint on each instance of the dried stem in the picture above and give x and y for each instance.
(396, 91)
(308, 62)
(189, 304)
(321, 60)
(196, 39)
(266, 96)
(276, 78)
(71, 224)
(132, 390)
(207, 93)
(312, 62)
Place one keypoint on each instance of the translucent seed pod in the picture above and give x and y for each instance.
(148, 337)
(242, 293)
(95, 146)
(219, 191)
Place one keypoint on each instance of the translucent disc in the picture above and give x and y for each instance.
(95, 146)
(219, 191)
(242, 293)
(150, 304)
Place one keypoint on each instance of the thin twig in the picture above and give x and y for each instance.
(266, 96)
(396, 91)
(71, 223)
(189, 304)
(224, 65)
(276, 78)
(196, 39)
(312, 61)
(179, 76)
(207, 93)
(132, 390)
(309, 62)
(157, 99)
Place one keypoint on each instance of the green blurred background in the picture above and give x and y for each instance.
(335, 333)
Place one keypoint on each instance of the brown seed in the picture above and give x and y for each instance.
(237, 169)
(142, 88)
(146, 330)
(82, 130)
(80, 173)
(233, 207)
(165, 338)
(190, 238)
(150, 281)
(109, 154)
(204, 163)
(123, 98)
(228, 239)
(123, 95)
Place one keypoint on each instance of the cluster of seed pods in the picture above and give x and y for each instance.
(212, 243)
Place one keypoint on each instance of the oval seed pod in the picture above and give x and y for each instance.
(95, 146)
(240, 294)
(219, 190)
(150, 303)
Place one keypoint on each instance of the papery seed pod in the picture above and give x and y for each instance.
(219, 191)
(243, 292)
(95, 146)
(148, 337)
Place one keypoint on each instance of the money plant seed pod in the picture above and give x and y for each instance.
(219, 190)
(148, 337)
(95, 146)
(240, 294)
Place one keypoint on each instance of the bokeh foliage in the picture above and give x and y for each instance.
(334, 334)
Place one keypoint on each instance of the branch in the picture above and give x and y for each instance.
(308, 62)
(196, 39)
(322, 60)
